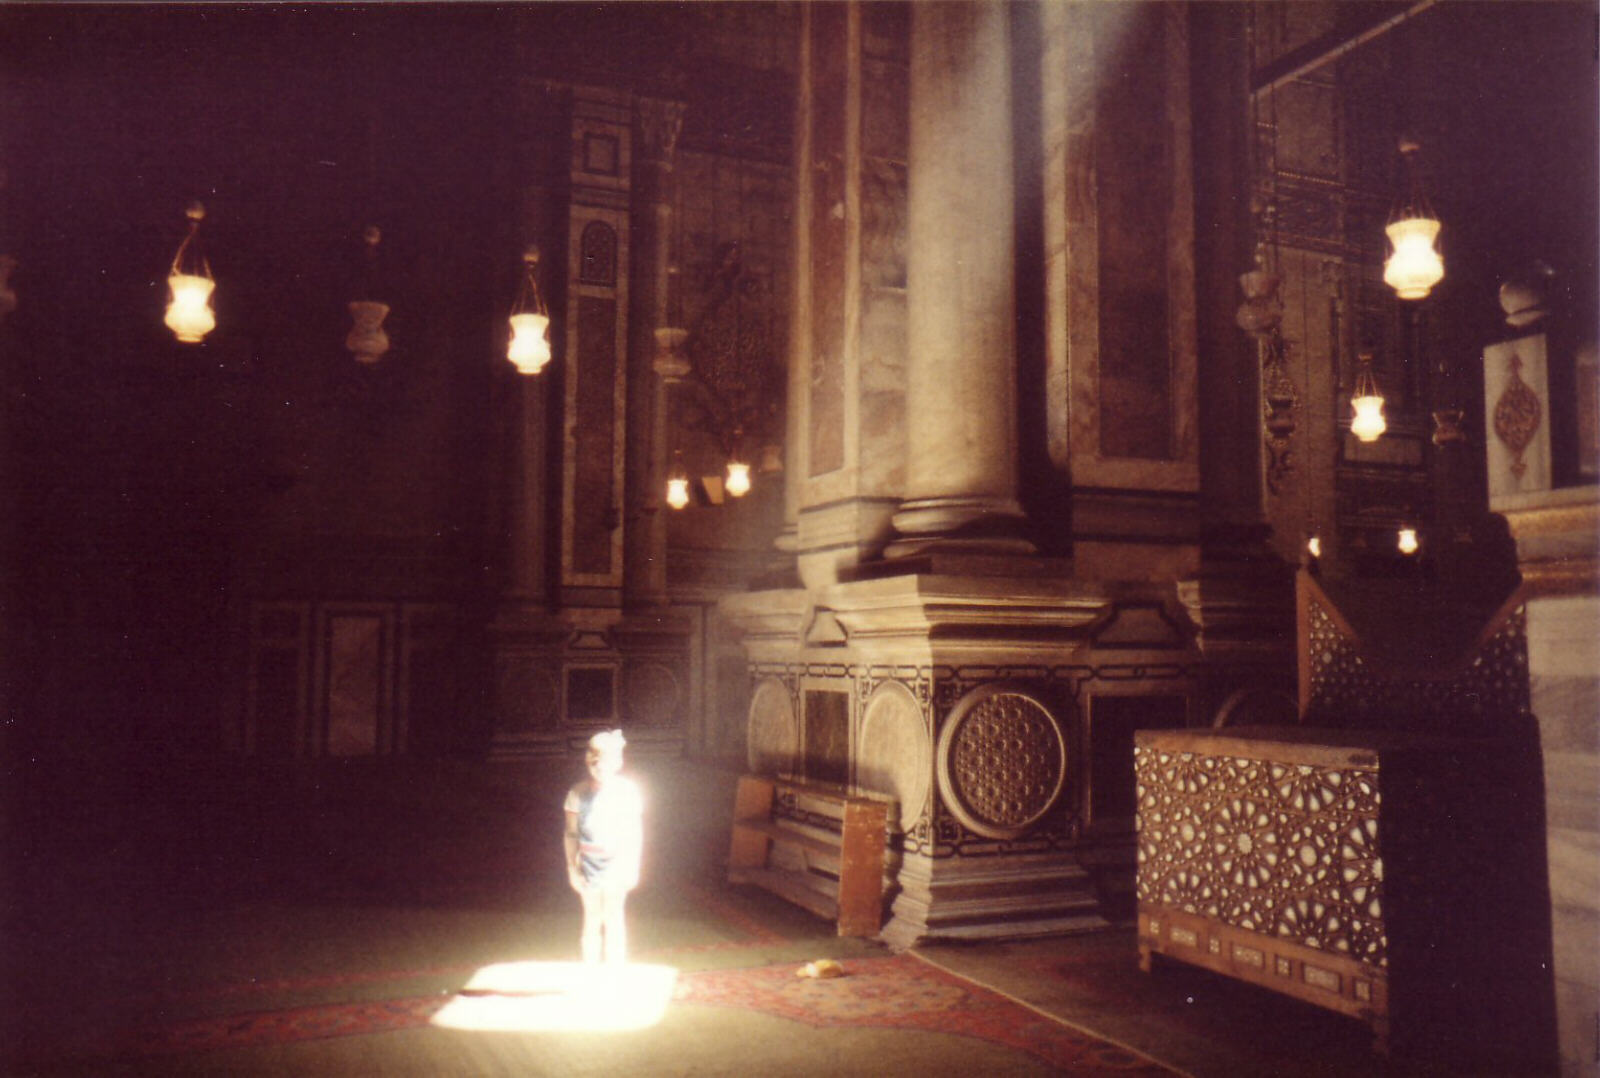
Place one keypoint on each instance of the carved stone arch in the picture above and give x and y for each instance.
(772, 730)
(1002, 760)
(894, 751)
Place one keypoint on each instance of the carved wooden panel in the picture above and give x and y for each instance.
(1342, 684)
(1286, 849)
(1354, 868)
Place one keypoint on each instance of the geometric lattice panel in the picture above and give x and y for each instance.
(1284, 849)
(1491, 685)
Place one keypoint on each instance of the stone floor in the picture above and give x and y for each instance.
(179, 900)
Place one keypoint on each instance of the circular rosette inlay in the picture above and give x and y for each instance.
(893, 753)
(1002, 761)
(652, 694)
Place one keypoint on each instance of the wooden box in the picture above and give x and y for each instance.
(816, 845)
(1361, 871)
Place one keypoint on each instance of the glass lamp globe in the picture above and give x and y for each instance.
(1415, 266)
(529, 350)
(678, 491)
(189, 311)
(1368, 424)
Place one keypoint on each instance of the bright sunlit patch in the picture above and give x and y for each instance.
(560, 997)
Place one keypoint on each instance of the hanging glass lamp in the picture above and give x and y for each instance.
(189, 313)
(529, 349)
(1414, 264)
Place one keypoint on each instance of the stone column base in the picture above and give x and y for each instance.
(1005, 896)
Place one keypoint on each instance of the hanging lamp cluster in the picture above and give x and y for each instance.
(191, 283)
(736, 480)
(1412, 269)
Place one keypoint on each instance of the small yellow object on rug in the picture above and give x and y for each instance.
(821, 968)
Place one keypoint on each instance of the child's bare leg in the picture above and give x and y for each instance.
(593, 915)
(616, 926)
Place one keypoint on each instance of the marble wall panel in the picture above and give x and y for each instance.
(594, 438)
(1135, 167)
(1120, 320)
(1564, 676)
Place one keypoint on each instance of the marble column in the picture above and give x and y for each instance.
(1558, 535)
(961, 462)
(797, 416)
(645, 539)
(526, 632)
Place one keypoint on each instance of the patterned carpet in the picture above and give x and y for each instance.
(345, 938)
(899, 992)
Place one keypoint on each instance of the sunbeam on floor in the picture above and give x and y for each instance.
(560, 997)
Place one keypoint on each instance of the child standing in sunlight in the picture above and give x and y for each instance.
(604, 841)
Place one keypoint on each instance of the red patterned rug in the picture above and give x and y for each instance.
(905, 992)
(891, 992)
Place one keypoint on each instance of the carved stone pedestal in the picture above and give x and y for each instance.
(997, 708)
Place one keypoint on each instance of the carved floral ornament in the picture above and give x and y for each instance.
(1517, 415)
(1002, 761)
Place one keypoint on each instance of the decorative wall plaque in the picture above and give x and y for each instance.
(1516, 398)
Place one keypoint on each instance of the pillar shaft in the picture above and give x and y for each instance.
(645, 539)
(961, 468)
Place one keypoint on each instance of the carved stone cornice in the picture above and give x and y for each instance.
(949, 608)
(774, 615)
(1558, 540)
